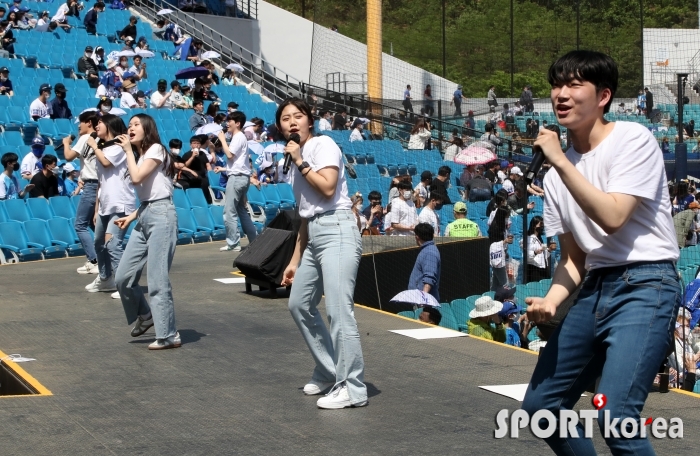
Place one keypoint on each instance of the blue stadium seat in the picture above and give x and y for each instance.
(14, 243)
(180, 199)
(217, 214)
(273, 197)
(187, 224)
(206, 222)
(62, 231)
(62, 207)
(40, 208)
(196, 197)
(39, 234)
(17, 210)
(286, 193)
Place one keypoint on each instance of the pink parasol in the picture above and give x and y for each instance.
(475, 155)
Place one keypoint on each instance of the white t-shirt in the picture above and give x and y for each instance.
(614, 167)
(157, 185)
(116, 193)
(324, 124)
(156, 97)
(127, 101)
(508, 186)
(239, 163)
(88, 169)
(422, 191)
(320, 152)
(497, 254)
(39, 108)
(356, 135)
(60, 15)
(29, 164)
(403, 213)
(501, 176)
(536, 259)
(429, 216)
(42, 26)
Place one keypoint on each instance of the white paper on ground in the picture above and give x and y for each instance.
(428, 333)
(231, 280)
(516, 392)
(17, 358)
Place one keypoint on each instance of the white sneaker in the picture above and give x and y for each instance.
(338, 399)
(228, 248)
(115, 295)
(100, 285)
(314, 387)
(170, 342)
(89, 268)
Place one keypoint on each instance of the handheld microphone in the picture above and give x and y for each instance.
(538, 158)
(288, 157)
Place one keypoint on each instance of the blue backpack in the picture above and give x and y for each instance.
(692, 301)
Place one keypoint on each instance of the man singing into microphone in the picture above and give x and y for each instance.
(617, 239)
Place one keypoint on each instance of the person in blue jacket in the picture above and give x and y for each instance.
(426, 272)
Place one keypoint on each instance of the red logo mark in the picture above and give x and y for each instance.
(648, 421)
(599, 401)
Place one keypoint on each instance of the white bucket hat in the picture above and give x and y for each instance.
(484, 306)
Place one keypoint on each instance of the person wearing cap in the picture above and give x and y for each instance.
(484, 313)
(422, 190)
(266, 173)
(462, 226)
(457, 98)
(128, 43)
(514, 175)
(9, 185)
(138, 69)
(127, 99)
(509, 316)
(70, 182)
(59, 105)
(31, 163)
(429, 215)
(197, 159)
(356, 134)
(683, 223)
(87, 66)
(43, 23)
(129, 30)
(425, 275)
(40, 108)
(90, 20)
(161, 98)
(5, 83)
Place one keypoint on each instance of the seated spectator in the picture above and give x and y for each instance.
(266, 173)
(453, 149)
(40, 109)
(509, 315)
(502, 173)
(88, 67)
(61, 13)
(682, 222)
(122, 67)
(403, 217)
(515, 175)
(683, 362)
(74, 8)
(467, 174)
(184, 177)
(484, 313)
(130, 29)
(491, 171)
(420, 135)
(374, 213)
(90, 20)
(428, 215)
(441, 182)
(71, 187)
(59, 105)
(356, 134)
(212, 77)
(198, 119)
(31, 163)
(127, 100)
(518, 200)
(2, 12)
(5, 83)
(176, 97)
(426, 270)
(462, 226)
(420, 193)
(46, 182)
(360, 218)
(198, 161)
(187, 95)
(491, 135)
(105, 105)
(229, 78)
(430, 315)
(8, 39)
(690, 128)
(195, 52)
(340, 120)
(138, 69)
(517, 109)
(161, 98)
(324, 123)
(25, 20)
(9, 185)
(44, 23)
(499, 199)
(98, 56)
(128, 43)
(109, 83)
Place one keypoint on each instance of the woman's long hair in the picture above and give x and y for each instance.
(151, 137)
(115, 125)
(420, 125)
(531, 229)
(497, 230)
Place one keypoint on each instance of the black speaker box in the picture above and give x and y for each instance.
(267, 256)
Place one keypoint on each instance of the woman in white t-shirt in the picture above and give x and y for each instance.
(538, 252)
(325, 261)
(357, 201)
(153, 239)
(498, 251)
(420, 135)
(115, 199)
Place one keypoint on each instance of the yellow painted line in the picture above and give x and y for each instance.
(687, 393)
(34, 383)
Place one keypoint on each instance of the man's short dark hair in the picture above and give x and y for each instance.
(173, 84)
(424, 231)
(404, 185)
(374, 195)
(89, 116)
(175, 144)
(197, 101)
(48, 160)
(488, 127)
(323, 113)
(493, 164)
(436, 196)
(99, 5)
(196, 138)
(3, 9)
(9, 157)
(238, 117)
(435, 316)
(444, 171)
(160, 23)
(590, 66)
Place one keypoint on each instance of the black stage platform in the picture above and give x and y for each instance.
(235, 385)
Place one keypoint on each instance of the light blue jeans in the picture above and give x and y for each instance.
(152, 240)
(619, 329)
(83, 219)
(329, 266)
(108, 253)
(236, 191)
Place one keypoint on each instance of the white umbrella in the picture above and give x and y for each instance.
(145, 53)
(209, 129)
(277, 147)
(211, 55)
(415, 297)
(117, 112)
(125, 53)
(235, 67)
(165, 11)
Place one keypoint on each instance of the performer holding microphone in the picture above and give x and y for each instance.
(617, 238)
(325, 260)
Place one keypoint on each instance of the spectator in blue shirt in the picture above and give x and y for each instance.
(9, 186)
(5, 83)
(426, 272)
(509, 315)
(59, 106)
(71, 186)
(457, 101)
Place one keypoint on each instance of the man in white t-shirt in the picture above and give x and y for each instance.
(356, 134)
(238, 171)
(84, 214)
(31, 163)
(616, 229)
(403, 217)
(127, 100)
(161, 99)
(324, 123)
(515, 175)
(40, 107)
(428, 214)
(422, 190)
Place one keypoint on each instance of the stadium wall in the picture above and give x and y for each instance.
(670, 51)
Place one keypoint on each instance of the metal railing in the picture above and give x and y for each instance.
(263, 76)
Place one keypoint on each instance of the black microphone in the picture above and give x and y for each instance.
(538, 158)
(288, 157)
